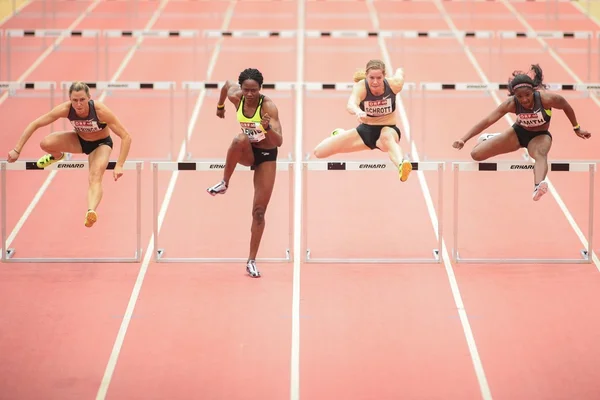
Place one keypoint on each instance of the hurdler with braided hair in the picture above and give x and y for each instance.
(256, 145)
(532, 105)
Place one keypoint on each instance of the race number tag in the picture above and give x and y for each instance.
(253, 130)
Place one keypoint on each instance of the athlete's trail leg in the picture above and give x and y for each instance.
(506, 142)
(58, 143)
(345, 142)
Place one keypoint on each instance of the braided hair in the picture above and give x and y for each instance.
(251, 73)
(521, 79)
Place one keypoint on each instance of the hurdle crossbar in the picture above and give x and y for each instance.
(512, 166)
(12, 87)
(109, 86)
(541, 35)
(192, 34)
(215, 165)
(372, 165)
(57, 34)
(71, 165)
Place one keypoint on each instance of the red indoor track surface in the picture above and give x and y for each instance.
(305, 330)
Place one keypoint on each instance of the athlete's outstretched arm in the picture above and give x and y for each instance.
(60, 111)
(557, 101)
(270, 121)
(507, 106)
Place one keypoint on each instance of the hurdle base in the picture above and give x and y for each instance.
(11, 252)
(585, 259)
(435, 260)
(160, 258)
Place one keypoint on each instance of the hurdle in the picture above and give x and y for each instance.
(512, 166)
(110, 87)
(59, 35)
(372, 165)
(71, 165)
(213, 165)
(573, 35)
(176, 36)
(12, 89)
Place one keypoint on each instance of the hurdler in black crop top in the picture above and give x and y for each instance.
(88, 124)
(379, 106)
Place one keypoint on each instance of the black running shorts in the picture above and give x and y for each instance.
(370, 133)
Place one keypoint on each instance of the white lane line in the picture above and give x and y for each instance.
(116, 350)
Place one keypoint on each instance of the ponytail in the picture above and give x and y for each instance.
(360, 75)
(521, 79)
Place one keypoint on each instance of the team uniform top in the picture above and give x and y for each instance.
(533, 119)
(379, 106)
(88, 124)
(251, 126)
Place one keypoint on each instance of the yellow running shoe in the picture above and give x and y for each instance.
(47, 160)
(90, 218)
(404, 170)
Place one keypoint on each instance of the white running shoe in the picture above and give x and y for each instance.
(486, 136)
(252, 270)
(219, 188)
(540, 190)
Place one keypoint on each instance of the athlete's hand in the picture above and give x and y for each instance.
(459, 144)
(117, 172)
(361, 116)
(582, 133)
(12, 156)
(265, 121)
(221, 112)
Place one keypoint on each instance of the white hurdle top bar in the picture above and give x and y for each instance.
(27, 85)
(214, 165)
(546, 34)
(310, 33)
(52, 32)
(157, 33)
(474, 86)
(368, 165)
(521, 166)
(65, 165)
(348, 34)
(343, 86)
(356, 165)
(125, 85)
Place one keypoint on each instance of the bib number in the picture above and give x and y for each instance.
(254, 134)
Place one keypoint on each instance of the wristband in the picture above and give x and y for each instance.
(16, 151)
(576, 127)
(267, 128)
(220, 106)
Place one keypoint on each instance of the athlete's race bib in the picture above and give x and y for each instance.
(378, 108)
(253, 130)
(86, 126)
(531, 119)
